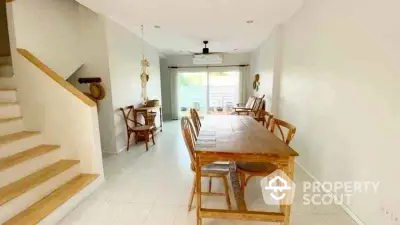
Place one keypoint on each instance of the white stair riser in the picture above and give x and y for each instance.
(5, 59)
(57, 215)
(28, 167)
(8, 96)
(20, 145)
(9, 110)
(22, 202)
(7, 82)
(6, 71)
(12, 126)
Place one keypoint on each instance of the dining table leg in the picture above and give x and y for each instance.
(198, 190)
(286, 209)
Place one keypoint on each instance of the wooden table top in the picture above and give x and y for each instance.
(239, 135)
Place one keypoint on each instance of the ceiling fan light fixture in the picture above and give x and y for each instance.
(157, 27)
(205, 49)
(250, 21)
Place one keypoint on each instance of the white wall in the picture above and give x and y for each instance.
(165, 88)
(94, 53)
(124, 57)
(49, 29)
(263, 63)
(340, 87)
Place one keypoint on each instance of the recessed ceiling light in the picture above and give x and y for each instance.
(250, 21)
(157, 27)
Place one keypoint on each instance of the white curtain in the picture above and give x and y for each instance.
(173, 72)
(244, 75)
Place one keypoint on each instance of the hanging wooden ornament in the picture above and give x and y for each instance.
(144, 75)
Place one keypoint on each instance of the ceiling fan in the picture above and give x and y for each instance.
(205, 50)
(207, 57)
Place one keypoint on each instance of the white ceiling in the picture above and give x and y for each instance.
(186, 23)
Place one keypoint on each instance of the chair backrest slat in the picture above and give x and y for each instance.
(276, 123)
(128, 115)
(189, 138)
(258, 103)
(196, 120)
(268, 117)
(259, 111)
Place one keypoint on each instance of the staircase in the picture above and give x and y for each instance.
(6, 67)
(35, 180)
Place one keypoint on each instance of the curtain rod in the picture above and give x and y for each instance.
(177, 67)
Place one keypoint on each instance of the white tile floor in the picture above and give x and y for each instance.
(152, 188)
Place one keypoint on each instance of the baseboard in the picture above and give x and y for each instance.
(120, 150)
(117, 152)
(343, 206)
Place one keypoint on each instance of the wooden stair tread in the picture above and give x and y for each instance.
(5, 139)
(25, 184)
(31, 153)
(38, 211)
(8, 89)
(5, 120)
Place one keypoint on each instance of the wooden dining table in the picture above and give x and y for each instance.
(240, 139)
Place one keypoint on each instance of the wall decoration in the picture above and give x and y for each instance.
(144, 78)
(144, 75)
(96, 89)
(256, 82)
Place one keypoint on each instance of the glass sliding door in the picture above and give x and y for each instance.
(192, 92)
(208, 90)
(223, 91)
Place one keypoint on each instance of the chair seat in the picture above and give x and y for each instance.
(142, 128)
(266, 168)
(218, 168)
(215, 168)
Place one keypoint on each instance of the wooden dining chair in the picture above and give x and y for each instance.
(258, 113)
(241, 107)
(136, 128)
(268, 119)
(264, 169)
(210, 170)
(196, 120)
(253, 109)
(276, 128)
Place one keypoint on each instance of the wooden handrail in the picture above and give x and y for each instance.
(7, 1)
(57, 78)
